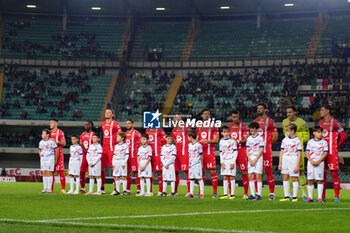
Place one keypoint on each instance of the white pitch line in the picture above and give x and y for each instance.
(138, 226)
(187, 214)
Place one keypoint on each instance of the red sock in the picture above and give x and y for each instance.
(103, 178)
(336, 183)
(128, 182)
(245, 180)
(53, 182)
(82, 180)
(152, 184)
(270, 179)
(160, 182)
(188, 183)
(214, 182)
(324, 183)
(63, 180)
(229, 183)
(137, 179)
(203, 176)
(177, 181)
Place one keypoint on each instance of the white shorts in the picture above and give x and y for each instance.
(169, 174)
(148, 170)
(195, 173)
(74, 168)
(47, 163)
(227, 171)
(288, 166)
(315, 172)
(258, 168)
(118, 170)
(95, 170)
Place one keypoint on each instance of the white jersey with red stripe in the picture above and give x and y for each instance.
(316, 148)
(110, 131)
(86, 140)
(239, 131)
(144, 152)
(94, 153)
(168, 154)
(133, 138)
(181, 139)
(291, 146)
(156, 140)
(47, 148)
(121, 153)
(228, 149)
(76, 153)
(331, 130)
(267, 128)
(255, 144)
(195, 150)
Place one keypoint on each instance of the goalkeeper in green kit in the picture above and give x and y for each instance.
(303, 134)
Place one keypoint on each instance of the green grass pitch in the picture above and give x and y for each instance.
(24, 209)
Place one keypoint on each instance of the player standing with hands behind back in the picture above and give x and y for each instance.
(332, 129)
(85, 142)
(110, 129)
(208, 137)
(57, 136)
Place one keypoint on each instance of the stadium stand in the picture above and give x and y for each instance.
(140, 94)
(42, 94)
(238, 40)
(169, 37)
(337, 28)
(323, 83)
(235, 89)
(41, 38)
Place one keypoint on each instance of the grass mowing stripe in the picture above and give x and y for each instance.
(167, 228)
(190, 214)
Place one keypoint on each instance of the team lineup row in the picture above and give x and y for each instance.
(168, 167)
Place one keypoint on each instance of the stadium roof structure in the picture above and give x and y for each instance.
(146, 8)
